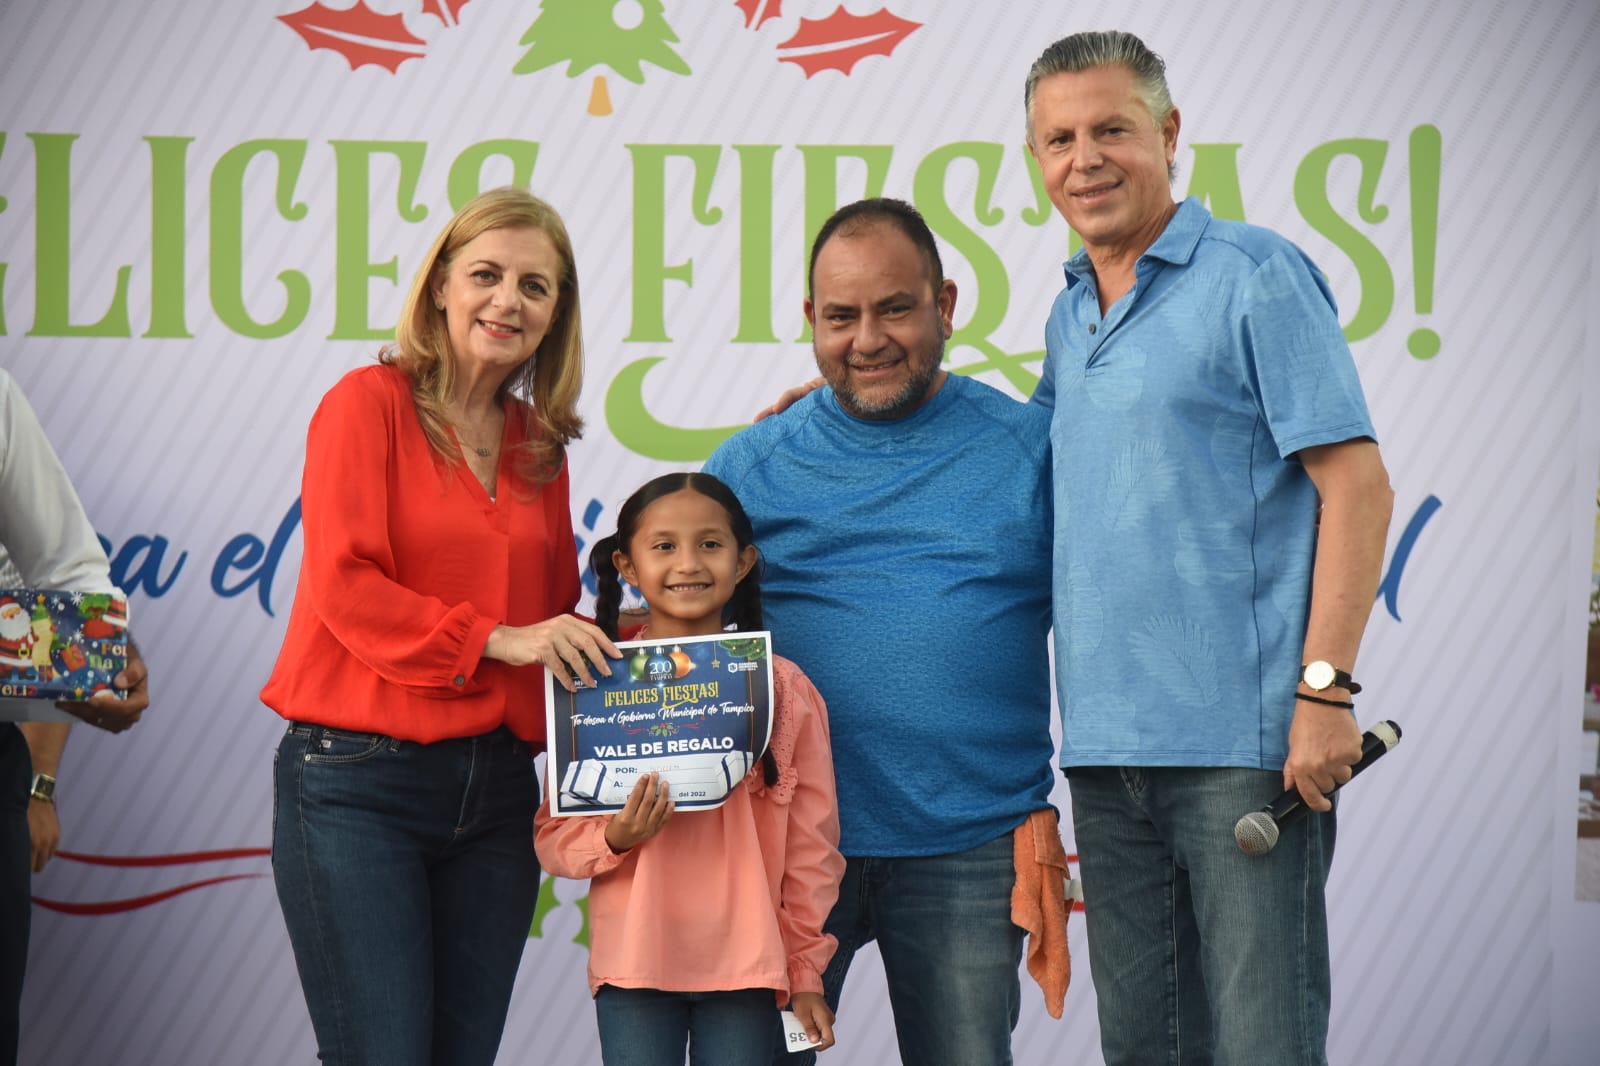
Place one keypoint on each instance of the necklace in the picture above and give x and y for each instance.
(477, 425)
(482, 453)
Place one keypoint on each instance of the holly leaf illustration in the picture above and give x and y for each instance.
(447, 11)
(360, 34)
(757, 12)
(839, 41)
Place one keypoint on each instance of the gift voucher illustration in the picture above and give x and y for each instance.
(696, 710)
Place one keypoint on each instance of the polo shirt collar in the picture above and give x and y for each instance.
(1175, 245)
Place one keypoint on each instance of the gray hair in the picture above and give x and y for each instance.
(1104, 48)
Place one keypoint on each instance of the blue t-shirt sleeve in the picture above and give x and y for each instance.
(1044, 393)
(722, 464)
(1304, 375)
(733, 463)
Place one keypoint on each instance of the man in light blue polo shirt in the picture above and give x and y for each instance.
(1206, 418)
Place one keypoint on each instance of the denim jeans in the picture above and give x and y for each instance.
(950, 952)
(1201, 953)
(16, 874)
(646, 1027)
(407, 877)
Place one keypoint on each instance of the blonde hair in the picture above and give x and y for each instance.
(552, 377)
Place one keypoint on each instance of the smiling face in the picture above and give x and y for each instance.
(1104, 159)
(686, 560)
(13, 622)
(879, 321)
(499, 297)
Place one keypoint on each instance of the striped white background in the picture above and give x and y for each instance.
(1457, 939)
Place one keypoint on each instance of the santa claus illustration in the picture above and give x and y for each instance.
(16, 640)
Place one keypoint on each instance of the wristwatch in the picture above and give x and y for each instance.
(1319, 675)
(44, 788)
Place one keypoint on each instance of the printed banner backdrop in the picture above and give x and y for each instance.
(209, 212)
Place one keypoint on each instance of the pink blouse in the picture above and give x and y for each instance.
(724, 899)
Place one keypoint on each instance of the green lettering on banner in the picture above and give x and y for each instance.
(755, 243)
(168, 193)
(821, 169)
(993, 298)
(636, 429)
(1215, 180)
(1426, 149)
(466, 173)
(353, 209)
(651, 272)
(52, 247)
(227, 237)
(1335, 189)
(1311, 197)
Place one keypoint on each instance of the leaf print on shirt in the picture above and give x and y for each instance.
(1232, 437)
(1104, 721)
(1116, 387)
(1212, 553)
(1177, 653)
(1141, 477)
(1287, 574)
(1083, 619)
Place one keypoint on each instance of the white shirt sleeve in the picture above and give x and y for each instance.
(43, 528)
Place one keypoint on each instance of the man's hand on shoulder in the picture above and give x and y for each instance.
(789, 398)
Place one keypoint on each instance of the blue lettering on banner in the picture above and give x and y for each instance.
(246, 552)
(1389, 590)
(137, 565)
(245, 560)
(591, 515)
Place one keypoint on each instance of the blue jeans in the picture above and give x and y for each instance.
(950, 952)
(1201, 953)
(407, 877)
(646, 1027)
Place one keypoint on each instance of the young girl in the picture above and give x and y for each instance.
(697, 921)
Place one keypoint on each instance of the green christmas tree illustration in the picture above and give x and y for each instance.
(621, 34)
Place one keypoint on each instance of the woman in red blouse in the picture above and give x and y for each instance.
(438, 572)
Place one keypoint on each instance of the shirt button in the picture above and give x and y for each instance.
(1091, 327)
(461, 679)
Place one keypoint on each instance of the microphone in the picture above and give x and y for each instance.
(1257, 832)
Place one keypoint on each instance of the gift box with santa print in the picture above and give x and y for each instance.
(60, 645)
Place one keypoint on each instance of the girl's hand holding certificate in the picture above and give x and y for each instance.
(647, 810)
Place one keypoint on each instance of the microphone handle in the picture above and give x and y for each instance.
(1374, 742)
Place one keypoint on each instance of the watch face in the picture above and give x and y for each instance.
(1319, 675)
